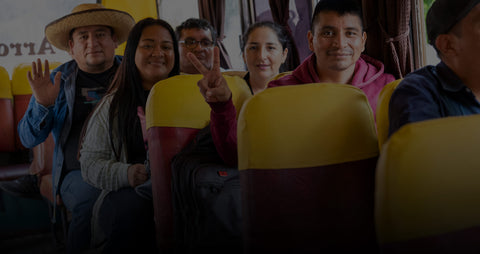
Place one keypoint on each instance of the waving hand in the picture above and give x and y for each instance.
(42, 88)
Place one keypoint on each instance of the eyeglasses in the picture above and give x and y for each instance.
(192, 43)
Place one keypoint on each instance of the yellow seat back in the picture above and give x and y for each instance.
(240, 74)
(307, 157)
(282, 74)
(305, 126)
(382, 111)
(20, 85)
(175, 112)
(427, 189)
(5, 84)
(7, 125)
(177, 102)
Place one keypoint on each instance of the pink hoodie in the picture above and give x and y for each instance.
(368, 76)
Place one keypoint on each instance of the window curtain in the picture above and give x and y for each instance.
(304, 12)
(214, 12)
(280, 13)
(388, 34)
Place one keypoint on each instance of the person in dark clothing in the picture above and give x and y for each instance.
(450, 88)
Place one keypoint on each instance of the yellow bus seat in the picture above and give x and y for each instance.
(427, 191)
(307, 157)
(7, 125)
(175, 112)
(382, 111)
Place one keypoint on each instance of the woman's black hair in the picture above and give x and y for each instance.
(341, 7)
(279, 31)
(128, 92)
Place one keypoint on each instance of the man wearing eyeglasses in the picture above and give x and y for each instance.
(199, 37)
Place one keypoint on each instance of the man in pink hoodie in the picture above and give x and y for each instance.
(337, 39)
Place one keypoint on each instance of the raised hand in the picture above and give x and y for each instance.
(42, 88)
(213, 85)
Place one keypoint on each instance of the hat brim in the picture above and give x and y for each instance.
(58, 31)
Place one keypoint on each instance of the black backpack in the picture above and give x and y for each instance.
(206, 199)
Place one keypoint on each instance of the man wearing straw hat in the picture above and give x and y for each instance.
(62, 101)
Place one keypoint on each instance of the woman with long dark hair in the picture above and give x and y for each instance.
(113, 152)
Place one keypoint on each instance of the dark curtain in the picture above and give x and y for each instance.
(304, 12)
(389, 36)
(280, 13)
(214, 12)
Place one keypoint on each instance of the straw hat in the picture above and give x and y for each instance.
(58, 31)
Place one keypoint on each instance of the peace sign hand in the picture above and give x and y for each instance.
(213, 85)
(42, 88)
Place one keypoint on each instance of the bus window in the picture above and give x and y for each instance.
(431, 54)
(174, 12)
(22, 26)
(232, 35)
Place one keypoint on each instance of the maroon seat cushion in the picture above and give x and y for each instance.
(7, 126)
(326, 208)
(21, 105)
(461, 241)
(164, 143)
